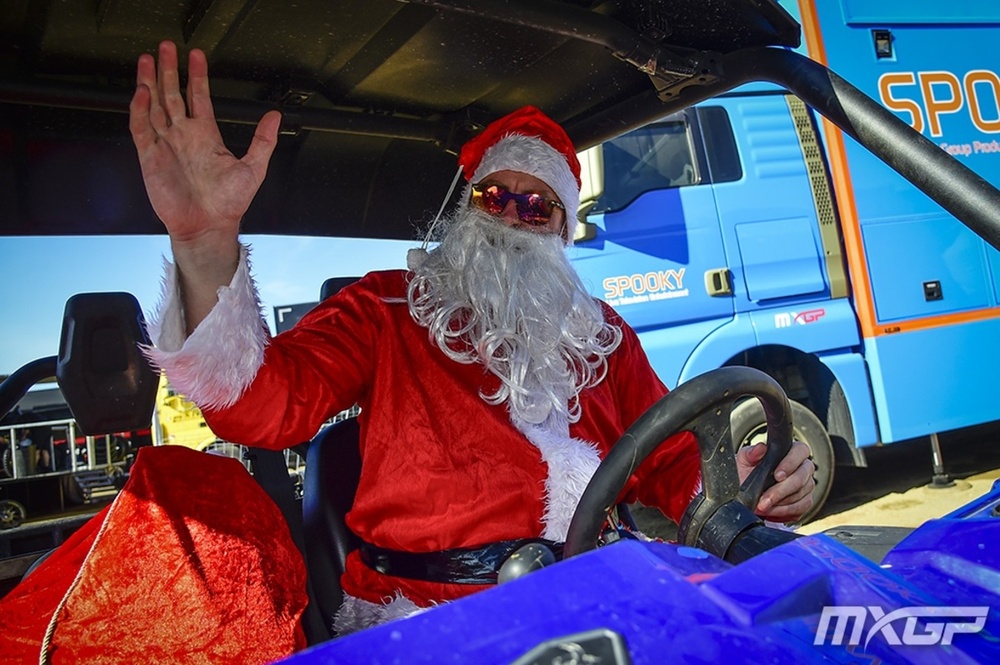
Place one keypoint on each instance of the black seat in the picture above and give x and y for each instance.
(334, 284)
(333, 468)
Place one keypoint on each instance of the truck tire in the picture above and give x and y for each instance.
(748, 428)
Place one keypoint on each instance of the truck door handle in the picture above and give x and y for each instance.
(718, 282)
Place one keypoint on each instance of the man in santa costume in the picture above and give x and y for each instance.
(490, 383)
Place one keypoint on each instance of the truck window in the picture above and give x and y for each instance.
(720, 145)
(657, 156)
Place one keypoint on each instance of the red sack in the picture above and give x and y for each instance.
(192, 563)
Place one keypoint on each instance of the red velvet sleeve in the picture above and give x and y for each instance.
(671, 475)
(310, 373)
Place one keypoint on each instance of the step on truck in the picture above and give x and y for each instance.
(748, 230)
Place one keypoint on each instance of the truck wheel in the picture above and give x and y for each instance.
(12, 514)
(748, 427)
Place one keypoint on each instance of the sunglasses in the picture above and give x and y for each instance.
(532, 209)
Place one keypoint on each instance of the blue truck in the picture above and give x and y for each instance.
(747, 230)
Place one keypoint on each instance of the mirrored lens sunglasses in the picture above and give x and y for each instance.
(532, 209)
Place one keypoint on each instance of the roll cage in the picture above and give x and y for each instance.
(378, 95)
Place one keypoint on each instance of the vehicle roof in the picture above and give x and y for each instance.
(377, 95)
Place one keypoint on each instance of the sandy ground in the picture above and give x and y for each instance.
(910, 508)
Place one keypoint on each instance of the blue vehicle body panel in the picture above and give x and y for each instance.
(773, 195)
(679, 604)
(933, 396)
(646, 262)
(815, 328)
(811, 327)
(851, 371)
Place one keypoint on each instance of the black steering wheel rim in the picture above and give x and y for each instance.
(702, 406)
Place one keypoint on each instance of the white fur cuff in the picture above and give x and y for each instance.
(221, 357)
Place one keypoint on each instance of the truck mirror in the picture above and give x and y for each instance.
(107, 382)
(585, 230)
(591, 176)
(591, 189)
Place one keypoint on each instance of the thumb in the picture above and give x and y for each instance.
(265, 139)
(749, 456)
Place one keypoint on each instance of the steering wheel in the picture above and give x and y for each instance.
(723, 511)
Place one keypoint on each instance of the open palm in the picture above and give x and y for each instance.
(196, 186)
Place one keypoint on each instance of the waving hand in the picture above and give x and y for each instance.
(197, 187)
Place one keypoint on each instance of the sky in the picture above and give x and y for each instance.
(38, 275)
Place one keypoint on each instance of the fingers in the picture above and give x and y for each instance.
(789, 512)
(158, 103)
(138, 119)
(755, 453)
(790, 497)
(166, 105)
(146, 118)
(747, 458)
(199, 97)
(797, 454)
(169, 83)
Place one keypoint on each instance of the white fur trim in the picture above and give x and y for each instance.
(216, 363)
(356, 614)
(697, 487)
(166, 326)
(531, 155)
(572, 462)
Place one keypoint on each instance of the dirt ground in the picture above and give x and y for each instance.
(896, 489)
(910, 508)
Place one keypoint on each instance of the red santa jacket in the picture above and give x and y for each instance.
(441, 467)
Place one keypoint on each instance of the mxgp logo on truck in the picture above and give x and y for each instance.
(644, 287)
(927, 96)
(786, 319)
(921, 626)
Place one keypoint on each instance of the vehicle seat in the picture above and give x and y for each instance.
(334, 284)
(333, 468)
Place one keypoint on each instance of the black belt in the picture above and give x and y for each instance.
(478, 565)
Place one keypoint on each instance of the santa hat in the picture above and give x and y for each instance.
(527, 141)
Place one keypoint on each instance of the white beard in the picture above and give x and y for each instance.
(509, 299)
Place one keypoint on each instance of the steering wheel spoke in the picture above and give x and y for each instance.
(714, 435)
